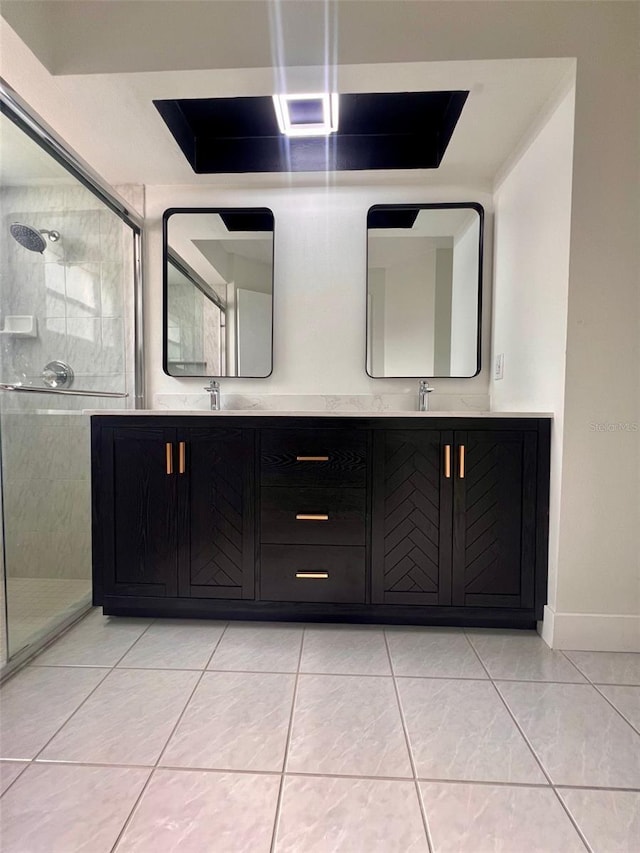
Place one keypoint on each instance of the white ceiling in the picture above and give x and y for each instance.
(133, 145)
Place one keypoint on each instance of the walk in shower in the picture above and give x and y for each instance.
(69, 281)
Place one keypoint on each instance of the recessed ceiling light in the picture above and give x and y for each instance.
(307, 115)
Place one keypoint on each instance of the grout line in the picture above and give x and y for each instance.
(163, 750)
(606, 698)
(13, 782)
(533, 752)
(405, 729)
(109, 670)
(276, 818)
(615, 708)
(72, 715)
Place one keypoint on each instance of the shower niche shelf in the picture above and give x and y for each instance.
(20, 326)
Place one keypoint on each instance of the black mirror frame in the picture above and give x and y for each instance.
(169, 212)
(479, 209)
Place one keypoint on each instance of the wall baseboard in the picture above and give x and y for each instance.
(598, 632)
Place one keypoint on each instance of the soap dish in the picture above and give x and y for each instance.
(20, 326)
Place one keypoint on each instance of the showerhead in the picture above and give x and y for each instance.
(32, 239)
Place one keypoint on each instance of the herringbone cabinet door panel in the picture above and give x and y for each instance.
(216, 523)
(488, 543)
(408, 522)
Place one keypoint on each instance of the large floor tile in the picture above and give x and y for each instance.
(577, 735)
(175, 644)
(348, 650)
(9, 772)
(36, 702)
(235, 721)
(263, 647)
(347, 724)
(608, 667)
(355, 816)
(461, 730)
(55, 808)
(192, 811)
(521, 655)
(626, 700)
(609, 820)
(465, 818)
(95, 641)
(433, 652)
(127, 720)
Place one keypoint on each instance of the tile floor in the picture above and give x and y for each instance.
(206, 737)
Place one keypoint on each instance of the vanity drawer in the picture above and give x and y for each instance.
(313, 457)
(312, 573)
(313, 516)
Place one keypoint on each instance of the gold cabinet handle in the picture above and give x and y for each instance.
(316, 576)
(168, 449)
(447, 461)
(312, 458)
(461, 462)
(182, 456)
(301, 516)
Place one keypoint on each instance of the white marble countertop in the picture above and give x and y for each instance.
(270, 413)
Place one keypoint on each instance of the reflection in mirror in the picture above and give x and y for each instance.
(218, 292)
(424, 276)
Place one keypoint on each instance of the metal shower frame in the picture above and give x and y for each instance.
(20, 114)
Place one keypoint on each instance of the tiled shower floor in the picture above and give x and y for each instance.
(202, 737)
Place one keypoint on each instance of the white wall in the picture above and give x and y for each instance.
(599, 525)
(464, 301)
(409, 309)
(531, 283)
(319, 288)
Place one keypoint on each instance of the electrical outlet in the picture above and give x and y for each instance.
(498, 366)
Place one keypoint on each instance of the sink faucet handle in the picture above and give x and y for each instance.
(212, 386)
(424, 386)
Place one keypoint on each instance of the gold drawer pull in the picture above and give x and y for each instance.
(447, 461)
(311, 517)
(316, 576)
(169, 457)
(461, 462)
(312, 458)
(181, 457)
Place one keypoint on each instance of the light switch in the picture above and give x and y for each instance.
(498, 366)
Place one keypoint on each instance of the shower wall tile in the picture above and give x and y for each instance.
(111, 288)
(112, 357)
(65, 554)
(111, 235)
(84, 345)
(54, 290)
(28, 356)
(82, 240)
(83, 289)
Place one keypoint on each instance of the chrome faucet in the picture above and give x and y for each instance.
(214, 391)
(423, 396)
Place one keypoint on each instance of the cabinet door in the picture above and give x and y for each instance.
(494, 518)
(412, 515)
(138, 511)
(216, 513)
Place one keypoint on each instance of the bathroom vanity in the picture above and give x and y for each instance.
(409, 517)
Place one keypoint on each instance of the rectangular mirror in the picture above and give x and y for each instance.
(424, 290)
(218, 292)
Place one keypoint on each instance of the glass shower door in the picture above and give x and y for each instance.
(67, 281)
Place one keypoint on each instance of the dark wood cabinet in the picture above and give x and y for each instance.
(412, 521)
(438, 520)
(494, 512)
(454, 517)
(135, 511)
(216, 541)
(173, 512)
